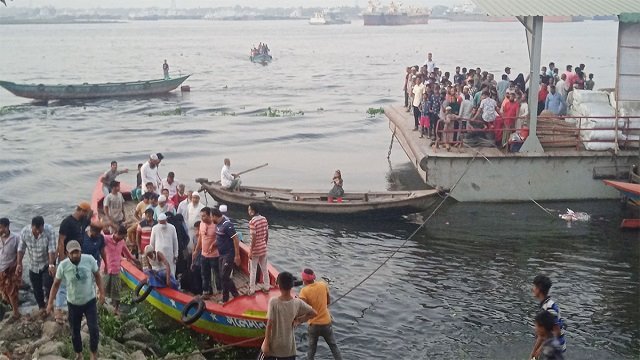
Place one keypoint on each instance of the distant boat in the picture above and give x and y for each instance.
(261, 58)
(327, 18)
(394, 15)
(92, 91)
(385, 203)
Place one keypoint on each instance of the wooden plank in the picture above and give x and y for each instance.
(630, 224)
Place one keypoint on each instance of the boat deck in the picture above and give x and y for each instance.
(401, 124)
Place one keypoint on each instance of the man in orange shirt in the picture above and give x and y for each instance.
(316, 294)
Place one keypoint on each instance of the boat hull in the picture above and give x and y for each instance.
(241, 321)
(394, 20)
(93, 91)
(286, 200)
(261, 59)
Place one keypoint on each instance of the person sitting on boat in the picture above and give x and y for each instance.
(165, 70)
(157, 268)
(110, 176)
(337, 191)
(171, 184)
(229, 180)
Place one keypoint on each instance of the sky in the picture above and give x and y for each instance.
(212, 3)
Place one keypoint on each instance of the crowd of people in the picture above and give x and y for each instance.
(175, 239)
(474, 101)
(261, 49)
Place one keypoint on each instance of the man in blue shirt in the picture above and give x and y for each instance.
(93, 243)
(554, 102)
(541, 287)
(228, 248)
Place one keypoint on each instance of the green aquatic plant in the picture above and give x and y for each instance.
(375, 111)
(176, 111)
(10, 109)
(273, 112)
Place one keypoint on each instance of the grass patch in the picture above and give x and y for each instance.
(375, 111)
(176, 111)
(273, 112)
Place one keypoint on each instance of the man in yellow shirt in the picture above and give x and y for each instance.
(316, 294)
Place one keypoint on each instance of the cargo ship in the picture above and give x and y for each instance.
(394, 15)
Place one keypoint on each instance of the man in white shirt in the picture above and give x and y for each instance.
(418, 91)
(165, 239)
(561, 87)
(430, 64)
(229, 180)
(149, 172)
(193, 215)
(170, 184)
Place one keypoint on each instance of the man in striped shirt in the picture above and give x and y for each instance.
(143, 237)
(259, 231)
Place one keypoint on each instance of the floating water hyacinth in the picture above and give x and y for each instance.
(375, 111)
(272, 112)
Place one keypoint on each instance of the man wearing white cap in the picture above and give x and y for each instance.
(79, 272)
(193, 215)
(149, 172)
(165, 239)
(163, 207)
(157, 268)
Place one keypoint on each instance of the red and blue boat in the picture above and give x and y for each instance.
(239, 322)
(631, 192)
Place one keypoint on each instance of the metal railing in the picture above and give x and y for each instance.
(549, 129)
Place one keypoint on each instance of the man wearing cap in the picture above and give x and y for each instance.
(149, 172)
(316, 294)
(10, 278)
(158, 269)
(165, 239)
(229, 180)
(71, 228)
(163, 207)
(39, 242)
(81, 274)
(113, 205)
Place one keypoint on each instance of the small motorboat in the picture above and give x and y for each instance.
(93, 91)
(261, 58)
(315, 202)
(241, 321)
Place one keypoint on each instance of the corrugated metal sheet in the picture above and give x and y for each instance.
(557, 7)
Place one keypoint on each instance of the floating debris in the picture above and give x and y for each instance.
(280, 112)
(575, 216)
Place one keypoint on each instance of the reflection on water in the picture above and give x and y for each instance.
(460, 289)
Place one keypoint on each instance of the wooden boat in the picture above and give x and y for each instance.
(261, 58)
(92, 91)
(241, 321)
(631, 192)
(315, 202)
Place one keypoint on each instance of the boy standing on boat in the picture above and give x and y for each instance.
(316, 294)
(283, 312)
(259, 231)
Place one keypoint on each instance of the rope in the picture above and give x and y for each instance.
(224, 347)
(410, 236)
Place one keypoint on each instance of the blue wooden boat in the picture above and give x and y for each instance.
(93, 91)
(261, 58)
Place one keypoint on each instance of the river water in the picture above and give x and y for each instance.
(460, 289)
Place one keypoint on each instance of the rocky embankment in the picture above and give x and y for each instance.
(32, 337)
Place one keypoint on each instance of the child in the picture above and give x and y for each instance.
(424, 118)
(541, 286)
(550, 348)
(589, 84)
(115, 247)
(284, 314)
(336, 192)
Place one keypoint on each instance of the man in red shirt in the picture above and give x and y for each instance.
(509, 111)
(179, 196)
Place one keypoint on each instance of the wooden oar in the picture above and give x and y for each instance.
(240, 173)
